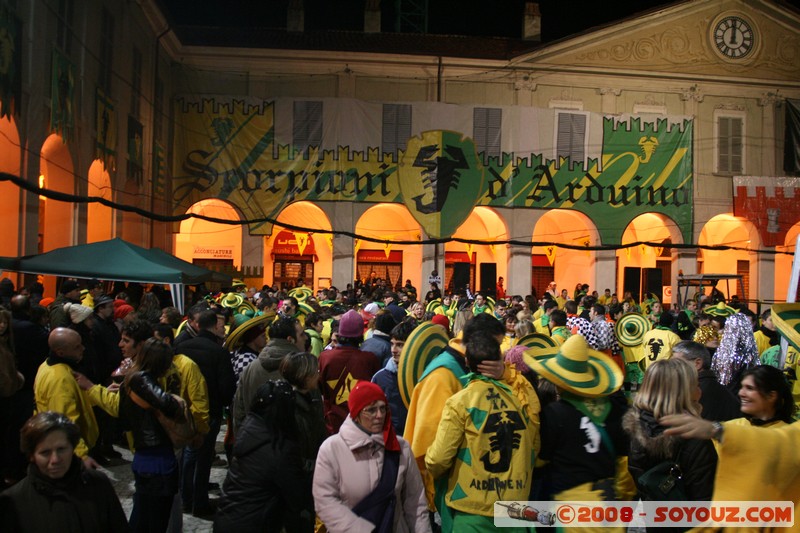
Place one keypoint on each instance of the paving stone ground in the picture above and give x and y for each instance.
(122, 479)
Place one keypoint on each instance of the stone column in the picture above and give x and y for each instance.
(521, 223)
(762, 282)
(343, 271)
(684, 260)
(605, 269)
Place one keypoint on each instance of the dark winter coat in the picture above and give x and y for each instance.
(83, 501)
(215, 365)
(266, 488)
(649, 446)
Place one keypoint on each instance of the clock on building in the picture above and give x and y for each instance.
(734, 37)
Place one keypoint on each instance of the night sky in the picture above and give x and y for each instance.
(500, 18)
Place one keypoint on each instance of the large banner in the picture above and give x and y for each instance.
(263, 155)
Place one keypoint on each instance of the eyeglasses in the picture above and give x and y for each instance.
(374, 410)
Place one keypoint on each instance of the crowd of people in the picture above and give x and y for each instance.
(371, 409)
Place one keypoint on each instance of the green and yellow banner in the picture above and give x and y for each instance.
(106, 127)
(62, 105)
(262, 155)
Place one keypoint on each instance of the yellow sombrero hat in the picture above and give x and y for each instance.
(235, 337)
(432, 305)
(301, 293)
(246, 308)
(576, 368)
(303, 309)
(720, 310)
(536, 340)
(630, 329)
(421, 347)
(786, 318)
(231, 300)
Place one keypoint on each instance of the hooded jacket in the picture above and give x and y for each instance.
(266, 488)
(263, 369)
(348, 468)
(649, 447)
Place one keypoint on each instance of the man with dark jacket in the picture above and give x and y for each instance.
(69, 292)
(215, 364)
(380, 343)
(191, 327)
(719, 403)
(109, 356)
(286, 336)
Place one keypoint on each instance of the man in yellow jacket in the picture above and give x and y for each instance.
(55, 389)
(484, 446)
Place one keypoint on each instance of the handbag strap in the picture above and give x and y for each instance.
(373, 506)
(138, 400)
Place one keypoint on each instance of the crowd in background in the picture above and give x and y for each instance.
(376, 408)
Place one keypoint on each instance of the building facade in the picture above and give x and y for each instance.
(619, 157)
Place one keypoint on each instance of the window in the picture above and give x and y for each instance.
(64, 29)
(106, 51)
(730, 131)
(396, 127)
(571, 136)
(136, 81)
(486, 123)
(307, 129)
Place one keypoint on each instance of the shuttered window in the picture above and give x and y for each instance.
(729, 145)
(571, 138)
(486, 124)
(396, 127)
(307, 125)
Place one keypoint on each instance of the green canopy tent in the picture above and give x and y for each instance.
(117, 260)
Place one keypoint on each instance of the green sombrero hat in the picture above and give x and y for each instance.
(301, 293)
(720, 310)
(576, 368)
(536, 340)
(231, 300)
(423, 344)
(786, 318)
(630, 329)
(234, 338)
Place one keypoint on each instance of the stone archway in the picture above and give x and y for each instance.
(486, 262)
(212, 245)
(567, 267)
(648, 264)
(289, 255)
(99, 217)
(10, 194)
(728, 230)
(56, 219)
(394, 262)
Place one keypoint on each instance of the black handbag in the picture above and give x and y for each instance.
(664, 481)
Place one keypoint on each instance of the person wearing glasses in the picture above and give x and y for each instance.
(366, 478)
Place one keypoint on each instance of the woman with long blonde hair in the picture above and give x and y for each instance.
(669, 387)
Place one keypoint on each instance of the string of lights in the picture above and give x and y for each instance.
(81, 199)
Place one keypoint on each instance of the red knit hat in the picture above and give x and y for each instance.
(441, 320)
(363, 394)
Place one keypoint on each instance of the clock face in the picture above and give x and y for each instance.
(734, 37)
